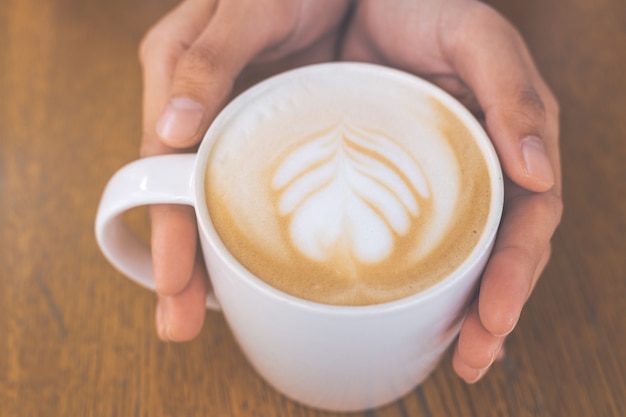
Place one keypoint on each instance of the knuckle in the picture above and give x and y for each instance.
(202, 69)
(157, 50)
(201, 58)
(147, 46)
(522, 254)
(556, 205)
(280, 20)
(547, 210)
(142, 50)
(529, 98)
(548, 253)
(203, 74)
(531, 107)
(547, 206)
(550, 204)
(523, 108)
(552, 103)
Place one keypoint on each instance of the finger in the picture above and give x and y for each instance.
(174, 242)
(159, 53)
(206, 71)
(519, 256)
(543, 263)
(521, 113)
(180, 317)
(501, 354)
(476, 348)
(173, 258)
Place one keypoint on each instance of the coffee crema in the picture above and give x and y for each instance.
(346, 188)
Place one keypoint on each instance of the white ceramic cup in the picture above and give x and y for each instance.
(341, 358)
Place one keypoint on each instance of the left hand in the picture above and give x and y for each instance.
(470, 50)
(194, 59)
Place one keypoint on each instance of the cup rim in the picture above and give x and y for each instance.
(484, 244)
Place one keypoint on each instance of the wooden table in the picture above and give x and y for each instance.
(77, 338)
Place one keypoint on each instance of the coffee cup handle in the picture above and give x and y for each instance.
(165, 179)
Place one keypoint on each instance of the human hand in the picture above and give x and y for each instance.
(471, 51)
(193, 60)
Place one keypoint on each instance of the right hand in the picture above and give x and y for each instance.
(474, 53)
(194, 60)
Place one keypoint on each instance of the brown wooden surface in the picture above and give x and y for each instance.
(77, 338)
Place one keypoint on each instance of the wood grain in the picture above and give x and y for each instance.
(77, 338)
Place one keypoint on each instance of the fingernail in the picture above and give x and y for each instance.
(476, 375)
(538, 164)
(512, 322)
(161, 322)
(180, 121)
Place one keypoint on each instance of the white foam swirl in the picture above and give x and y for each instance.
(349, 193)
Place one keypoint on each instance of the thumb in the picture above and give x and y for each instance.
(205, 73)
(521, 112)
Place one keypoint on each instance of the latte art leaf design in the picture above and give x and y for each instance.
(349, 193)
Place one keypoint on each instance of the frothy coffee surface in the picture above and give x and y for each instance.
(347, 190)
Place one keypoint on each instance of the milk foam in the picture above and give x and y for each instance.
(338, 199)
(349, 191)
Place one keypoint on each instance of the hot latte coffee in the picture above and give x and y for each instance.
(342, 186)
